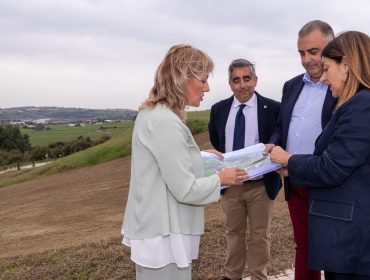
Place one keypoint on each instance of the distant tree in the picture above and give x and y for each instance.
(11, 138)
(81, 145)
(14, 156)
(26, 142)
(39, 153)
(39, 126)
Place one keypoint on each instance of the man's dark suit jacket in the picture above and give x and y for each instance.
(291, 91)
(267, 113)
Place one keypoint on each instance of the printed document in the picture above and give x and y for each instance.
(250, 158)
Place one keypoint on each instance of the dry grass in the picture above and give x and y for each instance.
(103, 260)
(110, 260)
(212, 249)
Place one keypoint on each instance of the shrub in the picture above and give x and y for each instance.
(102, 139)
(197, 126)
(39, 153)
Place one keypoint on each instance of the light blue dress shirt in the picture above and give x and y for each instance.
(305, 123)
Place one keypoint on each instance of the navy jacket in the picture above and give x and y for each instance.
(267, 113)
(338, 174)
(291, 91)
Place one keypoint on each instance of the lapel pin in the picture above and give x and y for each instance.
(265, 106)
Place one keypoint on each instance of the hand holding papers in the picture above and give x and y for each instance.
(250, 158)
(229, 176)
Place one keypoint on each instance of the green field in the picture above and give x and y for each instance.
(63, 132)
(198, 121)
(119, 145)
(199, 115)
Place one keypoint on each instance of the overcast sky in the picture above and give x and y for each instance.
(103, 53)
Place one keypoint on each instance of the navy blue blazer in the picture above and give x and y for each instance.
(267, 114)
(338, 174)
(291, 91)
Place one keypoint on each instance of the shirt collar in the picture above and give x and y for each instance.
(307, 80)
(249, 103)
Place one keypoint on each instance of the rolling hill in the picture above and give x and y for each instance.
(64, 114)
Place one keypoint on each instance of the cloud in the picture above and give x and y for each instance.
(103, 53)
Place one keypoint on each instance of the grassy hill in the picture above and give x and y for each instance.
(118, 146)
(65, 114)
(198, 121)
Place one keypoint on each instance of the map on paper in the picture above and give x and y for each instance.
(250, 158)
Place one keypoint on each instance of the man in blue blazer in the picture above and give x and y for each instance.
(306, 108)
(253, 200)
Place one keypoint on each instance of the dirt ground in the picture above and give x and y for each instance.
(72, 208)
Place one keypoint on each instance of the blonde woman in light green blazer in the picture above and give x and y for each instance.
(164, 215)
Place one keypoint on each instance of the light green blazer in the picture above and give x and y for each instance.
(167, 187)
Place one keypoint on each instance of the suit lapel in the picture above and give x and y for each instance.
(262, 109)
(224, 114)
(293, 97)
(294, 93)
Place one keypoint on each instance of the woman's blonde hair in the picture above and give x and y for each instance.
(180, 64)
(354, 47)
